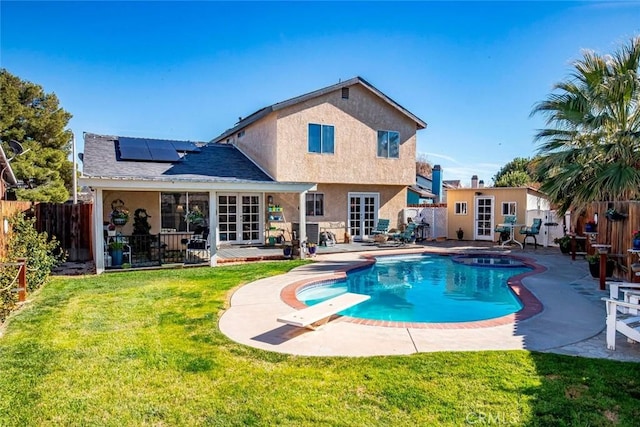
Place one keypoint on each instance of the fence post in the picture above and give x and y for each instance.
(22, 280)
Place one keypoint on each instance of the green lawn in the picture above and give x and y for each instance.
(143, 348)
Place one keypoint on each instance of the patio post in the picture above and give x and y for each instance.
(213, 230)
(98, 231)
(303, 221)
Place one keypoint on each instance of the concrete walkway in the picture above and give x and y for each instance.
(572, 321)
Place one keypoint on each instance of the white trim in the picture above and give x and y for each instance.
(213, 229)
(475, 217)
(98, 231)
(168, 185)
(376, 196)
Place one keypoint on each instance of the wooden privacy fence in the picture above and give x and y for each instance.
(7, 210)
(617, 233)
(70, 224)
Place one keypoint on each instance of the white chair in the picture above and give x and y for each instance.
(625, 323)
(616, 287)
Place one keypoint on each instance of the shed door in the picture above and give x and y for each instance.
(484, 218)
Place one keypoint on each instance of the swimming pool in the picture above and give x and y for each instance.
(427, 288)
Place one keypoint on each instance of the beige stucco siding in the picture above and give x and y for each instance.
(336, 205)
(149, 200)
(259, 142)
(356, 121)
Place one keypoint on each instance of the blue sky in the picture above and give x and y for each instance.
(188, 70)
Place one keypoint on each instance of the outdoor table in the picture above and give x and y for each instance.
(512, 238)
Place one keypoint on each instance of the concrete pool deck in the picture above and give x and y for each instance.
(571, 322)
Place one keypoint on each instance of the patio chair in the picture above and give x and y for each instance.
(615, 288)
(627, 324)
(199, 240)
(505, 231)
(531, 231)
(198, 246)
(406, 236)
(382, 227)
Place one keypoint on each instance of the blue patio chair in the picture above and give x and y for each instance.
(382, 227)
(504, 231)
(531, 231)
(407, 235)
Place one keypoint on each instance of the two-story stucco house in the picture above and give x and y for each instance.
(335, 159)
(357, 144)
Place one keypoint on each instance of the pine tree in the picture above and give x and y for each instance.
(35, 119)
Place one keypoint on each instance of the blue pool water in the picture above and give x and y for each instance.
(427, 288)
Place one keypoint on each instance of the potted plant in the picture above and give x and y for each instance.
(195, 216)
(115, 248)
(312, 248)
(111, 230)
(564, 242)
(460, 233)
(287, 250)
(636, 239)
(594, 265)
(119, 213)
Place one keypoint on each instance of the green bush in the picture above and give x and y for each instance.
(41, 253)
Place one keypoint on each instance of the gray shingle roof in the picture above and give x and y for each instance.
(213, 163)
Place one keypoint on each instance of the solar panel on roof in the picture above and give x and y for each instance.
(154, 150)
(163, 154)
(132, 142)
(127, 153)
(187, 146)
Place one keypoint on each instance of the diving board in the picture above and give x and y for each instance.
(319, 314)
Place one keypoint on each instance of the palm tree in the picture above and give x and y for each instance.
(590, 150)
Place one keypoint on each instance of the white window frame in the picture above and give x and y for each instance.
(388, 156)
(460, 208)
(509, 208)
(323, 149)
(315, 195)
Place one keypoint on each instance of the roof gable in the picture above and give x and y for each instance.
(263, 112)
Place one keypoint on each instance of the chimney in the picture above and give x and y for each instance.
(436, 182)
(474, 181)
(481, 184)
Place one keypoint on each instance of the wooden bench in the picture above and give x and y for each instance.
(318, 315)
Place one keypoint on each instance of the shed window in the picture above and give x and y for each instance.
(460, 208)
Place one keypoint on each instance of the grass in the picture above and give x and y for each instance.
(143, 348)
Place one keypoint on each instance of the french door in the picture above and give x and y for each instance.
(240, 218)
(484, 218)
(363, 214)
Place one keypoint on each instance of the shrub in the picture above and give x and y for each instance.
(42, 256)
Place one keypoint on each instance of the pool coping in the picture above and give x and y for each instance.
(531, 305)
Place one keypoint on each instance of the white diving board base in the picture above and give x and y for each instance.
(318, 315)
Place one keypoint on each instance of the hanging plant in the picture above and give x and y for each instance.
(119, 212)
(614, 215)
(194, 216)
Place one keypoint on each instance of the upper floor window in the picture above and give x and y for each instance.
(315, 204)
(320, 138)
(509, 208)
(461, 208)
(388, 144)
